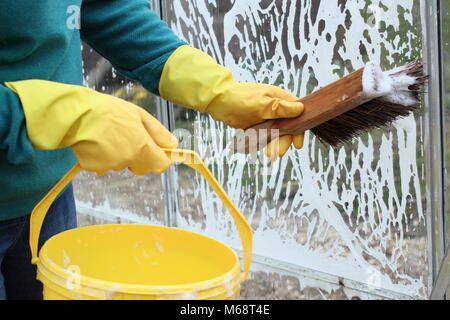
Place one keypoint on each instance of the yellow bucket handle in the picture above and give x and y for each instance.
(186, 157)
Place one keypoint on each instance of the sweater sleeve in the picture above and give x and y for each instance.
(131, 36)
(14, 142)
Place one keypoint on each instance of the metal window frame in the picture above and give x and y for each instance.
(439, 249)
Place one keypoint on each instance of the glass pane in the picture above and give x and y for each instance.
(357, 211)
(118, 197)
(445, 14)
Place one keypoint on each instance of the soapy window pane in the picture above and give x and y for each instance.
(118, 197)
(357, 211)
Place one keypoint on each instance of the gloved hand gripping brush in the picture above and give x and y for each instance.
(364, 100)
(194, 80)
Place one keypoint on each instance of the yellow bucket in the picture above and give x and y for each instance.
(118, 262)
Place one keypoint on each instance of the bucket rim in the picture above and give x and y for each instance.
(50, 269)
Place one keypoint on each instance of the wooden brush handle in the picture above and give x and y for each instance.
(320, 106)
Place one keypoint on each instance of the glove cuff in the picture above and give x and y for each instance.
(52, 110)
(192, 79)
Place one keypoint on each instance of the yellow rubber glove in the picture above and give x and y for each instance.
(105, 132)
(278, 148)
(192, 79)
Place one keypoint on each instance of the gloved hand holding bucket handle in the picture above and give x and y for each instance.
(105, 132)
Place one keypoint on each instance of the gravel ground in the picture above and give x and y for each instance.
(273, 286)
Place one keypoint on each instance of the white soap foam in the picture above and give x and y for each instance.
(390, 86)
(375, 83)
(401, 82)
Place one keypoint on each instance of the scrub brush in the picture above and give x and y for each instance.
(362, 101)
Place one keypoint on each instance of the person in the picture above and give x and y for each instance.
(49, 121)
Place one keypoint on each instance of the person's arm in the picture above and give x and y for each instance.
(131, 36)
(142, 47)
(14, 142)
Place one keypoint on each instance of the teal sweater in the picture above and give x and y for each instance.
(42, 40)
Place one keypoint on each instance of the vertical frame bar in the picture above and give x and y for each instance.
(166, 117)
(443, 279)
(434, 139)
